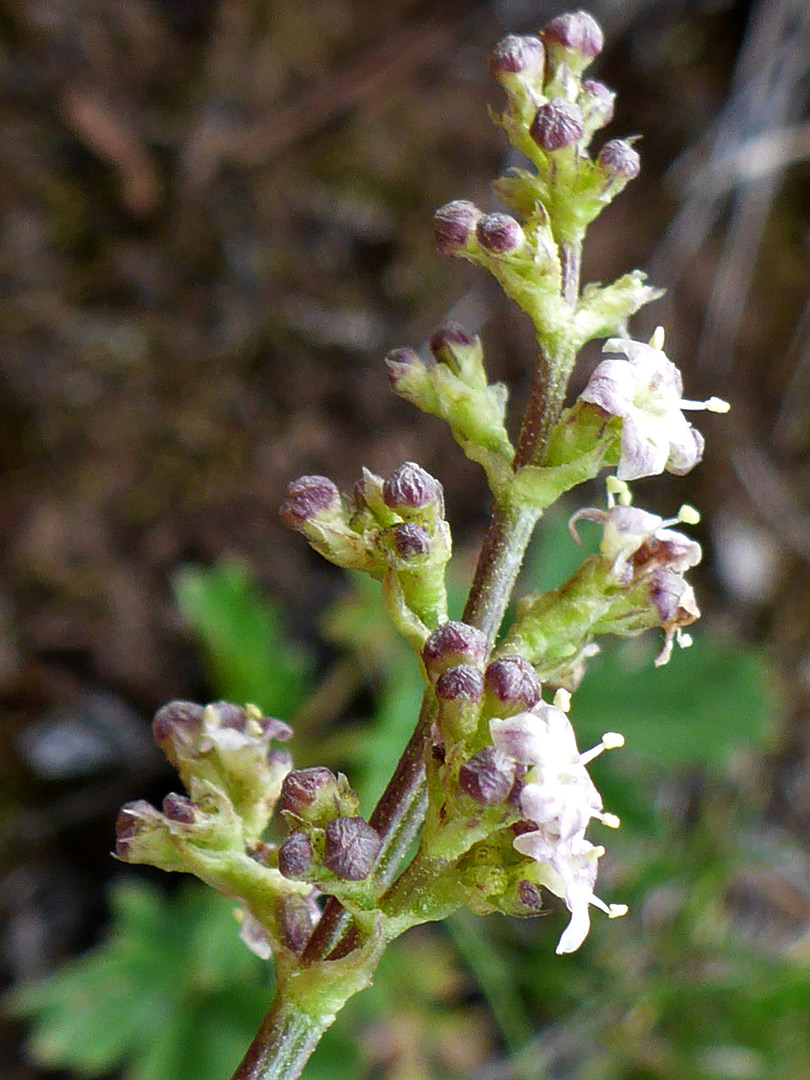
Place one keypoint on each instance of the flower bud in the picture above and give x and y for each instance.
(518, 55)
(454, 225)
(351, 847)
(142, 836)
(176, 728)
(463, 681)
(411, 488)
(310, 794)
(512, 685)
(617, 159)
(403, 364)
(448, 338)
(596, 101)
(529, 896)
(307, 498)
(557, 124)
(488, 776)
(453, 643)
(577, 33)
(179, 808)
(295, 856)
(500, 234)
(298, 917)
(410, 540)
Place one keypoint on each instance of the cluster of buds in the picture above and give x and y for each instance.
(453, 385)
(234, 776)
(551, 117)
(504, 764)
(392, 529)
(328, 841)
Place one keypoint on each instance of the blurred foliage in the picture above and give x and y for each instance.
(698, 981)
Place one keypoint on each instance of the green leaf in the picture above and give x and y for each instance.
(247, 649)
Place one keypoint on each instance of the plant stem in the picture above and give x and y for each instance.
(283, 1044)
(286, 1038)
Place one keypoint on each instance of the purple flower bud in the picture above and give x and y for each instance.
(411, 487)
(518, 55)
(298, 918)
(618, 158)
(453, 225)
(462, 681)
(179, 721)
(673, 598)
(135, 820)
(401, 363)
(453, 643)
(351, 848)
(488, 776)
(557, 124)
(411, 540)
(446, 338)
(528, 896)
(295, 856)
(308, 497)
(596, 102)
(577, 31)
(304, 790)
(500, 234)
(179, 808)
(513, 683)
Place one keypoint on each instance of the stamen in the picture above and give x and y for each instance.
(657, 339)
(612, 740)
(253, 727)
(684, 640)
(615, 486)
(610, 821)
(714, 404)
(562, 699)
(689, 515)
(615, 911)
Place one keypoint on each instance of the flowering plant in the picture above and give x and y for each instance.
(492, 780)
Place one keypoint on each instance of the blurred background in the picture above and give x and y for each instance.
(214, 223)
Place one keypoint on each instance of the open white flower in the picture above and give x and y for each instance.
(645, 390)
(559, 798)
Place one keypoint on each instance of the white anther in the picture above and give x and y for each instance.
(615, 911)
(620, 488)
(612, 740)
(610, 821)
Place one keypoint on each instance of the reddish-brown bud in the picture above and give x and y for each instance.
(351, 847)
(454, 643)
(454, 224)
(577, 31)
(179, 720)
(308, 497)
(557, 124)
(411, 488)
(460, 682)
(303, 789)
(513, 684)
(411, 540)
(500, 234)
(295, 856)
(179, 808)
(618, 158)
(401, 363)
(518, 55)
(447, 337)
(488, 776)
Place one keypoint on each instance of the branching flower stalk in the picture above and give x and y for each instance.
(492, 775)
